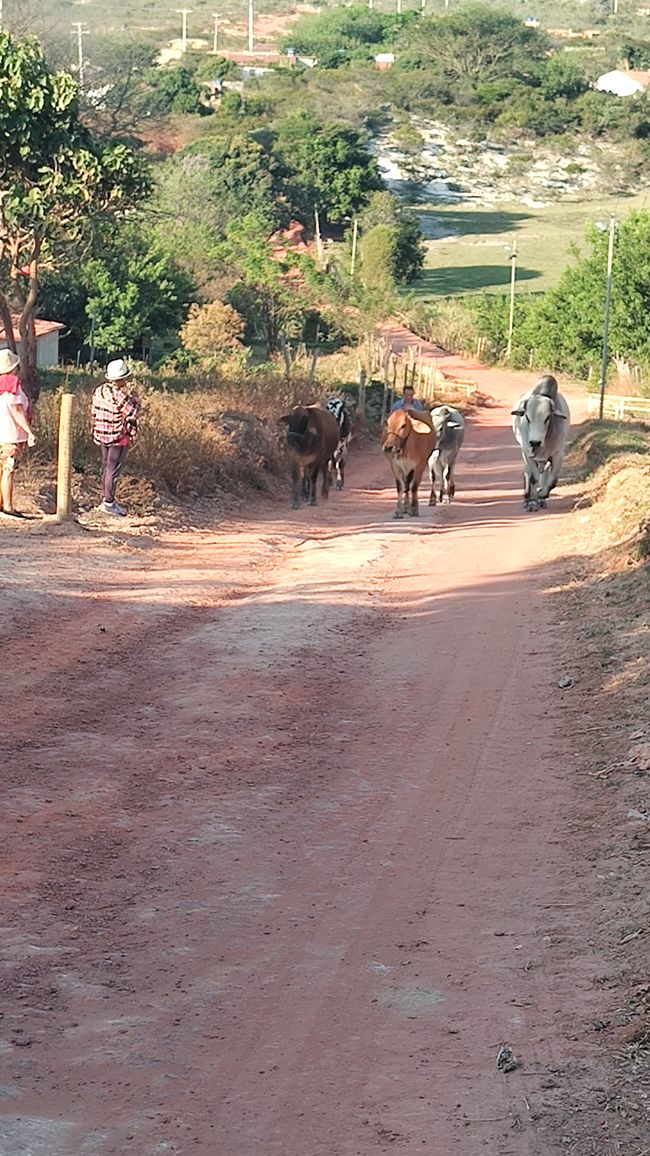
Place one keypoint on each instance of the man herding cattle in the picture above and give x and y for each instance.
(540, 422)
(409, 438)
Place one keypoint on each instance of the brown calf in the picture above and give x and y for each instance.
(410, 439)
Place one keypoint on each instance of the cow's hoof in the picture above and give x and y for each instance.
(414, 513)
(432, 502)
(339, 485)
(312, 501)
(531, 507)
(295, 506)
(542, 503)
(398, 515)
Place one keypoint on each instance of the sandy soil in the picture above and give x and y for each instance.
(286, 837)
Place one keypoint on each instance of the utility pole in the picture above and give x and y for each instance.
(355, 235)
(370, 4)
(319, 239)
(399, 7)
(184, 13)
(215, 39)
(251, 34)
(511, 316)
(81, 32)
(608, 298)
(616, 7)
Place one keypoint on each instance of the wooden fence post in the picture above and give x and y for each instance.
(64, 465)
(362, 391)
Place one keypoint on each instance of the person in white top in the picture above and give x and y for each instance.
(15, 428)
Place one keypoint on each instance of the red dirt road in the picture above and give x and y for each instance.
(283, 842)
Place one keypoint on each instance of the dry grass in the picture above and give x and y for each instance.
(198, 442)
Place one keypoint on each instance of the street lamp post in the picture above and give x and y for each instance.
(184, 13)
(215, 39)
(511, 315)
(608, 299)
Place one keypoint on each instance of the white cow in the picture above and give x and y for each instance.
(540, 423)
(449, 425)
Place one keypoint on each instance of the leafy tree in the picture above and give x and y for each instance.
(473, 46)
(565, 328)
(325, 166)
(132, 286)
(378, 252)
(636, 53)
(408, 250)
(342, 34)
(212, 329)
(561, 76)
(57, 180)
(201, 190)
(272, 295)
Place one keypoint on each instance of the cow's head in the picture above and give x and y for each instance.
(537, 413)
(297, 422)
(399, 427)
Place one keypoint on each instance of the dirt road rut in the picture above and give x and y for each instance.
(283, 849)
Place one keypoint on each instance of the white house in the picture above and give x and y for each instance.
(47, 341)
(622, 83)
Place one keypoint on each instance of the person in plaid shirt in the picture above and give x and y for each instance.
(114, 421)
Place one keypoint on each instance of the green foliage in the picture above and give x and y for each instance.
(325, 166)
(406, 250)
(340, 35)
(127, 281)
(173, 90)
(261, 291)
(561, 76)
(378, 253)
(636, 52)
(563, 328)
(472, 46)
(201, 190)
(57, 178)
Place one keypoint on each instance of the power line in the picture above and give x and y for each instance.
(251, 18)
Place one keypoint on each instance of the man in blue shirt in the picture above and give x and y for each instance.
(408, 400)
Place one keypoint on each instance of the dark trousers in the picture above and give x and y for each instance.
(112, 462)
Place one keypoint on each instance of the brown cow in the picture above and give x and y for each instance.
(410, 439)
(312, 436)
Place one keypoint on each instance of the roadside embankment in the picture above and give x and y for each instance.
(605, 603)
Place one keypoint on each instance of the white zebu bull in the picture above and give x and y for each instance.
(337, 408)
(449, 425)
(540, 423)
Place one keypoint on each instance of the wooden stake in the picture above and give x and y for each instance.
(64, 470)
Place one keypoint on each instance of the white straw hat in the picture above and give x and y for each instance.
(117, 370)
(8, 361)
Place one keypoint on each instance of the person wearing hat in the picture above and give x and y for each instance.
(15, 428)
(114, 421)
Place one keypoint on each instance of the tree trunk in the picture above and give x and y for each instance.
(28, 368)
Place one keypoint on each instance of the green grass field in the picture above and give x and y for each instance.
(474, 255)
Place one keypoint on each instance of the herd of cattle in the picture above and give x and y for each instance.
(318, 437)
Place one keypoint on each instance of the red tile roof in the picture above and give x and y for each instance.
(42, 327)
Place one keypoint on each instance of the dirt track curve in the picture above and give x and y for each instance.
(281, 845)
